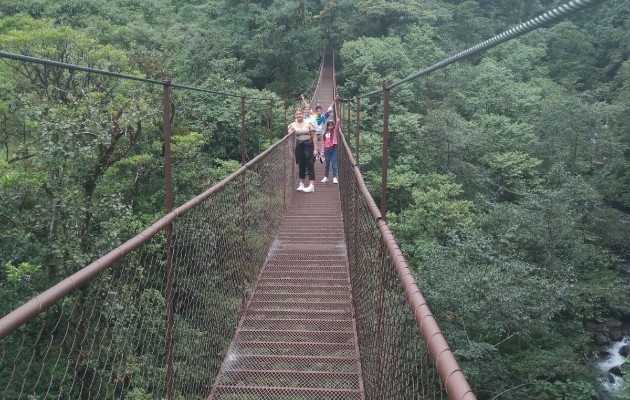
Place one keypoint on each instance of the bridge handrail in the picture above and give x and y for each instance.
(27, 311)
(451, 375)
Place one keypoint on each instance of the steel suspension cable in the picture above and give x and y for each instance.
(548, 17)
(73, 67)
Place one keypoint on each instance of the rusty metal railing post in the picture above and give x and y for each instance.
(243, 200)
(343, 128)
(242, 129)
(270, 121)
(166, 114)
(385, 151)
(349, 116)
(356, 158)
(291, 145)
(169, 241)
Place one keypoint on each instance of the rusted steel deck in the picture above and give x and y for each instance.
(297, 338)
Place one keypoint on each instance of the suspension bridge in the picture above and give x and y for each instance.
(251, 290)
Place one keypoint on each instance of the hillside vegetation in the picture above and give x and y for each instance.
(509, 176)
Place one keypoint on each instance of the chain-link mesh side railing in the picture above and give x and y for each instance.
(219, 249)
(102, 333)
(98, 341)
(396, 359)
(392, 351)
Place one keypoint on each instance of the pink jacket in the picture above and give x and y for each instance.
(328, 139)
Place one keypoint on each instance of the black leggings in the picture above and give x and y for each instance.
(305, 159)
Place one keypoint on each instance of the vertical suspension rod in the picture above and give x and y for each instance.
(169, 242)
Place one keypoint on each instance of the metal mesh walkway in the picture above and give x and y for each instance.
(297, 338)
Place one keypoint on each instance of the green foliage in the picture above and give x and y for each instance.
(523, 56)
(571, 57)
(492, 90)
(20, 272)
(623, 393)
(422, 43)
(222, 170)
(568, 389)
(535, 161)
(508, 175)
(499, 133)
(370, 61)
(469, 25)
(515, 170)
(138, 394)
(379, 16)
(434, 216)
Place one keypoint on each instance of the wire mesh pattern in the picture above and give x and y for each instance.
(272, 295)
(108, 338)
(297, 337)
(100, 337)
(394, 358)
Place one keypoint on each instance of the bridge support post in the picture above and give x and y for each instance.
(348, 118)
(270, 122)
(243, 129)
(287, 181)
(169, 242)
(340, 108)
(385, 151)
(358, 129)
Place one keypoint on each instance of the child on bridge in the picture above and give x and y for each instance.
(329, 142)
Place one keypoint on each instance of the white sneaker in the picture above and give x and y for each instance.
(300, 188)
(325, 180)
(309, 189)
(335, 180)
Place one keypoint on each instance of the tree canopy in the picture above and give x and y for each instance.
(509, 174)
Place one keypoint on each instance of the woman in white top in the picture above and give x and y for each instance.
(305, 149)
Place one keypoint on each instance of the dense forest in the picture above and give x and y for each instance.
(509, 177)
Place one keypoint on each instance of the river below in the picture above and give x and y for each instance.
(607, 360)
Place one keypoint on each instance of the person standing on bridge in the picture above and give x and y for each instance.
(308, 112)
(320, 126)
(305, 149)
(329, 141)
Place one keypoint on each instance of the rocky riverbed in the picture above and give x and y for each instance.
(612, 347)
